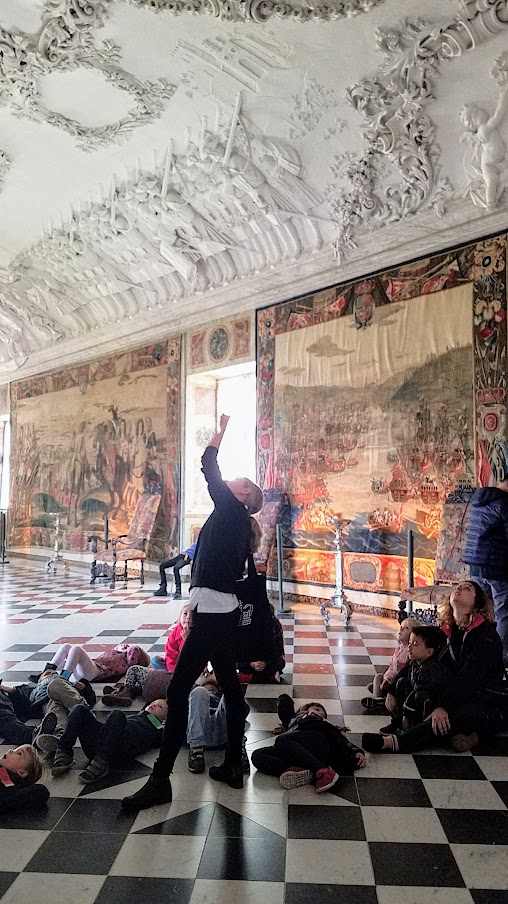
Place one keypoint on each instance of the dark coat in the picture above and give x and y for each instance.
(486, 548)
(224, 540)
(342, 752)
(475, 658)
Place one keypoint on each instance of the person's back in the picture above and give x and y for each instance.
(486, 548)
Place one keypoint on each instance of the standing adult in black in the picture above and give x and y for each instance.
(223, 545)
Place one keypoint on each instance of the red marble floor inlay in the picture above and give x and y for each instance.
(17, 621)
(154, 627)
(98, 647)
(346, 642)
(315, 692)
(80, 640)
(380, 651)
(311, 635)
(91, 611)
(312, 651)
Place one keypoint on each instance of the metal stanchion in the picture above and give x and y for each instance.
(281, 611)
(3, 538)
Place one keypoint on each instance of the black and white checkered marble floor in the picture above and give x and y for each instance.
(432, 827)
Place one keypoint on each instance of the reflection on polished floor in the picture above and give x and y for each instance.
(432, 827)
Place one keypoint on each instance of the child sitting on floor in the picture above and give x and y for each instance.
(418, 685)
(311, 749)
(174, 643)
(20, 770)
(119, 739)
(383, 686)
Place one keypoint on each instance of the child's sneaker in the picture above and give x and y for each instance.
(46, 729)
(373, 703)
(196, 760)
(326, 778)
(295, 777)
(98, 768)
(63, 761)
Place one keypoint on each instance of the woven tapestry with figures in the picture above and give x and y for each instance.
(376, 400)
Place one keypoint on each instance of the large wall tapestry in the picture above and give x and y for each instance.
(88, 440)
(376, 399)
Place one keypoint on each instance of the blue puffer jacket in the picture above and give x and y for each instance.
(486, 548)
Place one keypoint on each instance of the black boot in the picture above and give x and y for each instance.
(154, 791)
(162, 591)
(231, 774)
(285, 710)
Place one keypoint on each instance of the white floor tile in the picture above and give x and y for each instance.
(159, 856)
(331, 862)
(53, 888)
(18, 846)
(462, 795)
(418, 825)
(211, 891)
(404, 894)
(482, 865)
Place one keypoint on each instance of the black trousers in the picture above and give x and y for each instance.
(481, 716)
(106, 739)
(178, 562)
(211, 637)
(308, 749)
(11, 729)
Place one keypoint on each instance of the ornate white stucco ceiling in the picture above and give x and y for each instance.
(163, 163)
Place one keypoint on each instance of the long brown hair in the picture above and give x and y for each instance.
(255, 535)
(482, 606)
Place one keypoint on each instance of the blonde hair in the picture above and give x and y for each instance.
(482, 606)
(411, 622)
(144, 657)
(34, 765)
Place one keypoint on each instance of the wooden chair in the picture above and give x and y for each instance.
(450, 569)
(126, 547)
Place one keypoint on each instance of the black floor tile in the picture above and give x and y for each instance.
(227, 822)
(25, 648)
(120, 889)
(196, 822)
(6, 880)
(355, 681)
(305, 893)
(116, 778)
(345, 788)
(332, 823)
(355, 708)
(65, 615)
(44, 819)
(95, 815)
(502, 790)
(77, 852)
(144, 641)
(488, 895)
(15, 677)
(115, 633)
(475, 826)
(314, 692)
(262, 704)
(157, 648)
(448, 767)
(392, 792)
(256, 859)
(351, 659)
(414, 865)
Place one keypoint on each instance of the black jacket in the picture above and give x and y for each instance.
(426, 680)
(224, 539)
(486, 548)
(475, 658)
(342, 752)
(141, 735)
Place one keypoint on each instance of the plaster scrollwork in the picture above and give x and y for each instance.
(486, 159)
(232, 204)
(64, 43)
(309, 107)
(396, 126)
(5, 165)
(261, 11)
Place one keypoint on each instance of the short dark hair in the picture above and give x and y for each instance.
(433, 637)
(306, 706)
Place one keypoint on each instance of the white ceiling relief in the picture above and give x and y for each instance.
(163, 162)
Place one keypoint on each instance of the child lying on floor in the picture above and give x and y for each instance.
(121, 738)
(72, 660)
(311, 749)
(20, 770)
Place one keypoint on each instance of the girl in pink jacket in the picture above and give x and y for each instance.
(174, 643)
(382, 684)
